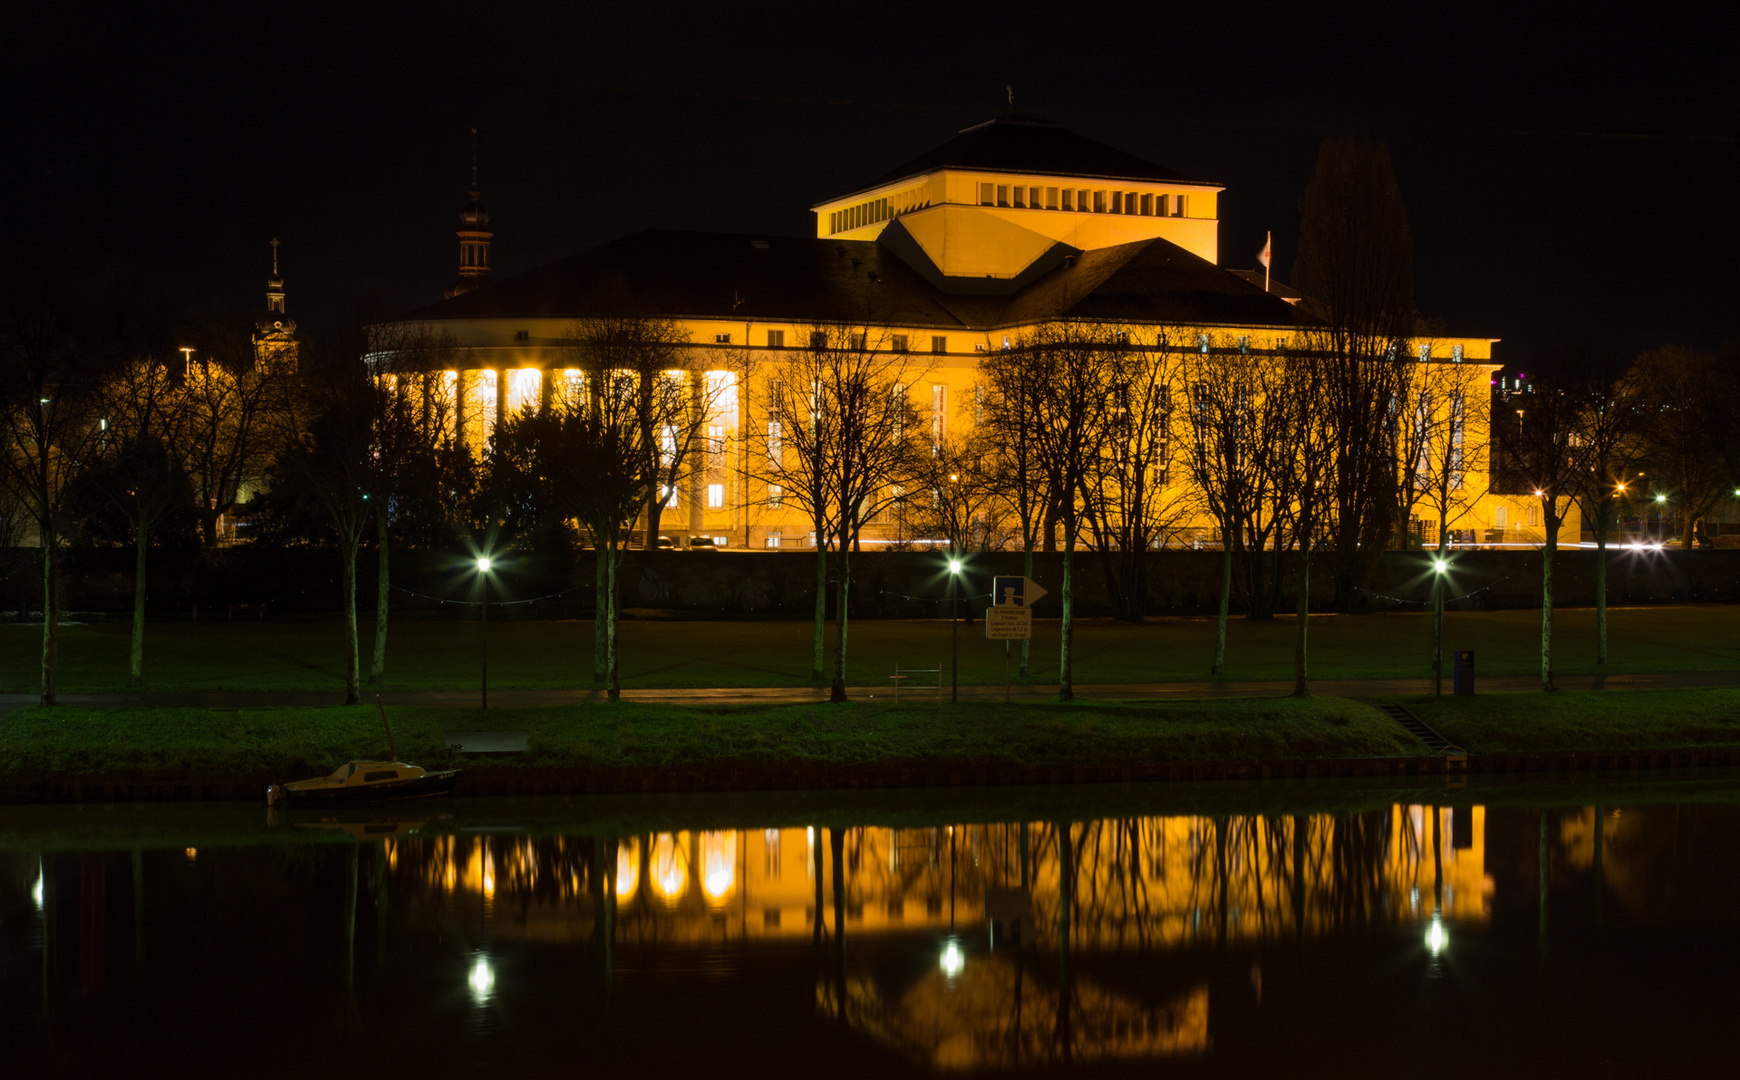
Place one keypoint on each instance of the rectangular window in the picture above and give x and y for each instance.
(775, 441)
(1425, 353)
(1202, 343)
(1034, 197)
(775, 497)
(1534, 514)
(1083, 202)
(1244, 345)
(1002, 194)
(1456, 353)
(715, 496)
(1147, 205)
(899, 342)
(856, 342)
(1099, 202)
(1117, 202)
(776, 339)
(939, 345)
(1500, 518)
(1456, 439)
(818, 339)
(1068, 199)
(938, 396)
(773, 539)
(1051, 199)
(1178, 207)
(1020, 197)
(715, 441)
(721, 339)
(987, 195)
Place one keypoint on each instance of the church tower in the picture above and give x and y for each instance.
(474, 236)
(275, 332)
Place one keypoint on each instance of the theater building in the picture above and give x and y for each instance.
(1011, 225)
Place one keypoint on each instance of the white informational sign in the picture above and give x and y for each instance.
(1006, 622)
(1021, 592)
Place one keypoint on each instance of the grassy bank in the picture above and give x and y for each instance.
(295, 742)
(443, 655)
(1616, 721)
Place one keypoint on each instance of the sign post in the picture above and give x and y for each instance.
(1010, 616)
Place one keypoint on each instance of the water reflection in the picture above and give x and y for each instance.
(971, 945)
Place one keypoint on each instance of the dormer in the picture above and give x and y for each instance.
(1006, 200)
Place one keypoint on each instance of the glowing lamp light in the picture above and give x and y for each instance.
(1661, 498)
(1439, 565)
(481, 980)
(1436, 939)
(36, 891)
(1539, 493)
(483, 564)
(954, 566)
(953, 960)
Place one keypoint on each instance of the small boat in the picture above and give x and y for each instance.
(356, 783)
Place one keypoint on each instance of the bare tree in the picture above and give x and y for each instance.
(234, 411)
(1612, 415)
(136, 470)
(1684, 404)
(1356, 265)
(1128, 505)
(50, 427)
(843, 441)
(1304, 466)
(1543, 461)
(1072, 366)
(1009, 422)
(1444, 459)
(958, 497)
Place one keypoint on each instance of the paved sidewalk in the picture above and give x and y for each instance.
(244, 699)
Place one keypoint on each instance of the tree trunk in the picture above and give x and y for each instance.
(655, 509)
(1066, 672)
(1601, 585)
(50, 610)
(838, 692)
(1300, 688)
(613, 680)
(1027, 571)
(1548, 550)
(819, 650)
(600, 613)
(352, 665)
(1219, 665)
(1438, 615)
(136, 661)
(378, 663)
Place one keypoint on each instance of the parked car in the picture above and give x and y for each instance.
(702, 543)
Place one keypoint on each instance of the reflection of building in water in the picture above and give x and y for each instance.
(1154, 882)
(993, 1013)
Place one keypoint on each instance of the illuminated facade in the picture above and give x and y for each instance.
(1012, 225)
(275, 331)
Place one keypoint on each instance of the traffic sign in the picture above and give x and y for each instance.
(1021, 592)
(1006, 622)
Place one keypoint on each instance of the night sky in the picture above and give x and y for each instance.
(1568, 172)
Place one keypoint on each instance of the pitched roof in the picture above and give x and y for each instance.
(1024, 144)
(809, 279)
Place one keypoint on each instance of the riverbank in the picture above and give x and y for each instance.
(101, 754)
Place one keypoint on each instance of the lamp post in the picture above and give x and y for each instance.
(483, 573)
(954, 631)
(1439, 566)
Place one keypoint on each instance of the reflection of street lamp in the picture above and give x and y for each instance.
(953, 960)
(954, 631)
(483, 575)
(1436, 939)
(481, 980)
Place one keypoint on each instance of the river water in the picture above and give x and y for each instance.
(1581, 928)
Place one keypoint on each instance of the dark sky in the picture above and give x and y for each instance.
(1567, 172)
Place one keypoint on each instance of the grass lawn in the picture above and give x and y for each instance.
(435, 655)
(298, 742)
(1597, 720)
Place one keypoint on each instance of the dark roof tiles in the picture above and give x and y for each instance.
(1019, 144)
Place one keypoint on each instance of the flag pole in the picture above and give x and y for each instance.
(1268, 238)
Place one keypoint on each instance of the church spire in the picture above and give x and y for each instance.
(474, 235)
(275, 284)
(275, 332)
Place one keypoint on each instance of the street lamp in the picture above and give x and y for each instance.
(1439, 568)
(954, 631)
(483, 575)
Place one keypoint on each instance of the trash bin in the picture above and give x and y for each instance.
(1464, 671)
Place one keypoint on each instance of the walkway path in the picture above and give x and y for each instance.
(243, 699)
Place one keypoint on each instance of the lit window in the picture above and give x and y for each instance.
(938, 395)
(1202, 343)
(715, 496)
(774, 441)
(1425, 353)
(1456, 353)
(671, 499)
(719, 541)
(773, 539)
(775, 497)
